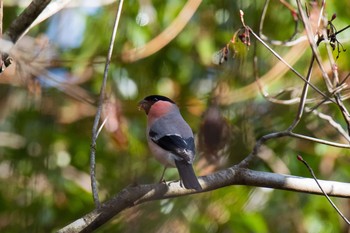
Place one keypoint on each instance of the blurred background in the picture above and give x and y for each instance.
(48, 101)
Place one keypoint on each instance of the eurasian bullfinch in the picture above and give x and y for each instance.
(170, 138)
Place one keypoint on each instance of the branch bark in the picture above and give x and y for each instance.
(135, 195)
(25, 19)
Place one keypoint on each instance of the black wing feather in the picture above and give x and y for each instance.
(183, 147)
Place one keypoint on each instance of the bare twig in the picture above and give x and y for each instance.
(275, 73)
(70, 89)
(331, 121)
(326, 195)
(289, 66)
(343, 110)
(273, 99)
(313, 46)
(303, 97)
(344, 80)
(323, 5)
(317, 140)
(336, 87)
(99, 109)
(253, 155)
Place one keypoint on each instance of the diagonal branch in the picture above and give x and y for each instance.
(320, 186)
(25, 19)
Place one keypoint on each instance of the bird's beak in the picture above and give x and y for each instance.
(142, 105)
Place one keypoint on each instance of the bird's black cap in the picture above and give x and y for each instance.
(155, 98)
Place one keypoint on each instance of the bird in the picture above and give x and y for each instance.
(170, 138)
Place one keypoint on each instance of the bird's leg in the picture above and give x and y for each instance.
(161, 178)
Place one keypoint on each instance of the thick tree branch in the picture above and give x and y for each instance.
(134, 195)
(25, 19)
(17, 29)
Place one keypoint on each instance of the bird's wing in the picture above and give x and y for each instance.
(174, 143)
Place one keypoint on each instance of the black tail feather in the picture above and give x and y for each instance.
(187, 175)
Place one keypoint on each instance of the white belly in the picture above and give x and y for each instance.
(163, 156)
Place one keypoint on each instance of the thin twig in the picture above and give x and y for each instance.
(331, 121)
(313, 46)
(343, 110)
(341, 30)
(344, 80)
(303, 97)
(267, 96)
(329, 200)
(289, 66)
(323, 5)
(253, 155)
(336, 85)
(317, 140)
(99, 109)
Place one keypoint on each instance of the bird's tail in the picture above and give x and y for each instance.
(187, 175)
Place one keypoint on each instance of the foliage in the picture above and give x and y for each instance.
(45, 129)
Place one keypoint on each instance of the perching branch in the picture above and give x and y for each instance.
(135, 195)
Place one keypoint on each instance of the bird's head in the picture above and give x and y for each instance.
(162, 103)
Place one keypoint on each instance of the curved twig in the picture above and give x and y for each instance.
(324, 193)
